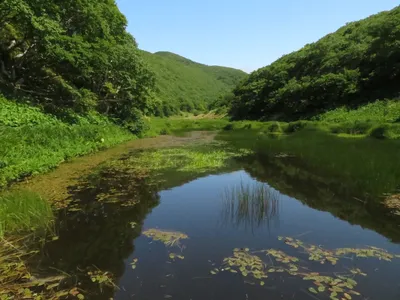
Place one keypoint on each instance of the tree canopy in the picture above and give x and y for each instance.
(357, 64)
(76, 55)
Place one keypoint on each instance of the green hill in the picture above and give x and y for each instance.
(185, 85)
(357, 64)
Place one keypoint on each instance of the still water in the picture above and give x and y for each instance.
(251, 223)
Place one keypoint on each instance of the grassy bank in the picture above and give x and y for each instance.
(33, 142)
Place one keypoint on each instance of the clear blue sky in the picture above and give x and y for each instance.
(244, 34)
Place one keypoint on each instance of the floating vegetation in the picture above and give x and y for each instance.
(393, 202)
(322, 255)
(17, 282)
(102, 278)
(256, 266)
(175, 256)
(169, 238)
(246, 263)
(133, 263)
(250, 205)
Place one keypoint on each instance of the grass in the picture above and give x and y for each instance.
(177, 126)
(33, 142)
(382, 111)
(22, 212)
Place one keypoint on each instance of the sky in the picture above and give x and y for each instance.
(243, 34)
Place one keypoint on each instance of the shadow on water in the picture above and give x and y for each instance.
(291, 177)
(96, 233)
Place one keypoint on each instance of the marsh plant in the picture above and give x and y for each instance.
(250, 205)
(258, 265)
(24, 211)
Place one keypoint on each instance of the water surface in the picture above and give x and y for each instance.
(216, 220)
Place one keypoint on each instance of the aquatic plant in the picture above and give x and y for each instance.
(168, 238)
(319, 254)
(24, 211)
(133, 263)
(393, 203)
(338, 285)
(250, 204)
(102, 278)
(17, 282)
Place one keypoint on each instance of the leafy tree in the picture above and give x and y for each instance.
(69, 54)
(357, 64)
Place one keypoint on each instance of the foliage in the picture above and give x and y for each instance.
(168, 238)
(72, 55)
(34, 142)
(22, 212)
(381, 111)
(184, 85)
(357, 64)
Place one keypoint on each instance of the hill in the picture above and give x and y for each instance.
(185, 85)
(357, 64)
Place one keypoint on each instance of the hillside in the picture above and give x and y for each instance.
(184, 85)
(357, 64)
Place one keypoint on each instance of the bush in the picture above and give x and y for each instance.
(164, 131)
(378, 132)
(295, 126)
(228, 127)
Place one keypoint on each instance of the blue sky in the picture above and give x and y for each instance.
(245, 34)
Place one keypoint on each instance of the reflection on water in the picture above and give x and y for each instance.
(250, 205)
(288, 233)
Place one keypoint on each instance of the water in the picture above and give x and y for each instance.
(109, 237)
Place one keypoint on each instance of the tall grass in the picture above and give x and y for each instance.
(383, 111)
(33, 142)
(250, 205)
(23, 212)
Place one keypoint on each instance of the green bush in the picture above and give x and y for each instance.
(295, 126)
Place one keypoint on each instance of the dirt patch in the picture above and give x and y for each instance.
(54, 185)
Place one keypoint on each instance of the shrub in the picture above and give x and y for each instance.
(295, 126)
(228, 127)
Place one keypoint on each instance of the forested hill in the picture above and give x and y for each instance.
(359, 63)
(184, 85)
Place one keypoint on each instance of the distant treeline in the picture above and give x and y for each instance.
(357, 64)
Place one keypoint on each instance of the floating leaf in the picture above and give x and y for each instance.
(312, 290)
(262, 283)
(347, 296)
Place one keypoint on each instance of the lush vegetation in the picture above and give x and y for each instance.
(24, 212)
(33, 142)
(184, 85)
(355, 65)
(73, 56)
